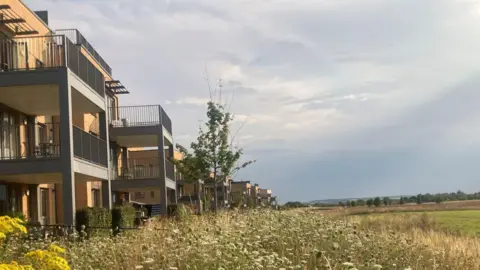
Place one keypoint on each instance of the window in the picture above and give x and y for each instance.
(96, 197)
(152, 194)
(9, 136)
(139, 195)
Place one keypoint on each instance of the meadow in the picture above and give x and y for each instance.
(268, 239)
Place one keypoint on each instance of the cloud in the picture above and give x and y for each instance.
(335, 93)
(197, 101)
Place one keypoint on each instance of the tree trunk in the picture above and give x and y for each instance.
(216, 197)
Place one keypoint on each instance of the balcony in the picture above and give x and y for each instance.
(29, 149)
(29, 141)
(141, 116)
(89, 147)
(169, 170)
(140, 173)
(78, 39)
(49, 52)
(144, 168)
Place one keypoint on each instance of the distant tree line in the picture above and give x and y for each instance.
(385, 201)
(295, 204)
(418, 199)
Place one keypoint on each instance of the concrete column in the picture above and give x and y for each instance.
(102, 125)
(161, 164)
(106, 184)
(173, 196)
(106, 195)
(170, 150)
(66, 151)
(124, 159)
(30, 133)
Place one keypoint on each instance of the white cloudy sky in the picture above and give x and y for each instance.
(343, 98)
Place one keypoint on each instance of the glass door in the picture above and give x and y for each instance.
(44, 206)
(3, 200)
(9, 136)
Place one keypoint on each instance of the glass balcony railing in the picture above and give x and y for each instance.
(89, 147)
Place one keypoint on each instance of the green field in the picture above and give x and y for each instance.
(466, 222)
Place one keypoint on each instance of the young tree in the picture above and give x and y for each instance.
(214, 158)
(377, 202)
(386, 201)
(419, 199)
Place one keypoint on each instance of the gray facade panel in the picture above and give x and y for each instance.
(135, 131)
(8, 167)
(33, 77)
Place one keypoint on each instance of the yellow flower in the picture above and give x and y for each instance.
(15, 266)
(48, 259)
(10, 225)
(56, 249)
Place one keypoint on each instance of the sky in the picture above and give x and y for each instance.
(339, 98)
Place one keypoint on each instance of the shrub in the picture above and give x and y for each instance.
(94, 221)
(123, 217)
(179, 211)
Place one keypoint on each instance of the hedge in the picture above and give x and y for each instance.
(123, 217)
(95, 220)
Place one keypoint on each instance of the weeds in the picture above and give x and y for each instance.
(274, 240)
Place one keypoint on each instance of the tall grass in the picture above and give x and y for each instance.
(274, 240)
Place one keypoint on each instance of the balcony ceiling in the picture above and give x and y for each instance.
(43, 100)
(81, 104)
(138, 141)
(31, 100)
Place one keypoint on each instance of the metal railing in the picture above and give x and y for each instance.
(139, 168)
(53, 51)
(170, 170)
(89, 147)
(29, 141)
(81, 66)
(30, 53)
(144, 168)
(142, 116)
(76, 37)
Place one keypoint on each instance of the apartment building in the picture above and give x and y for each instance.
(265, 196)
(147, 175)
(241, 192)
(254, 194)
(64, 139)
(223, 191)
(190, 192)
